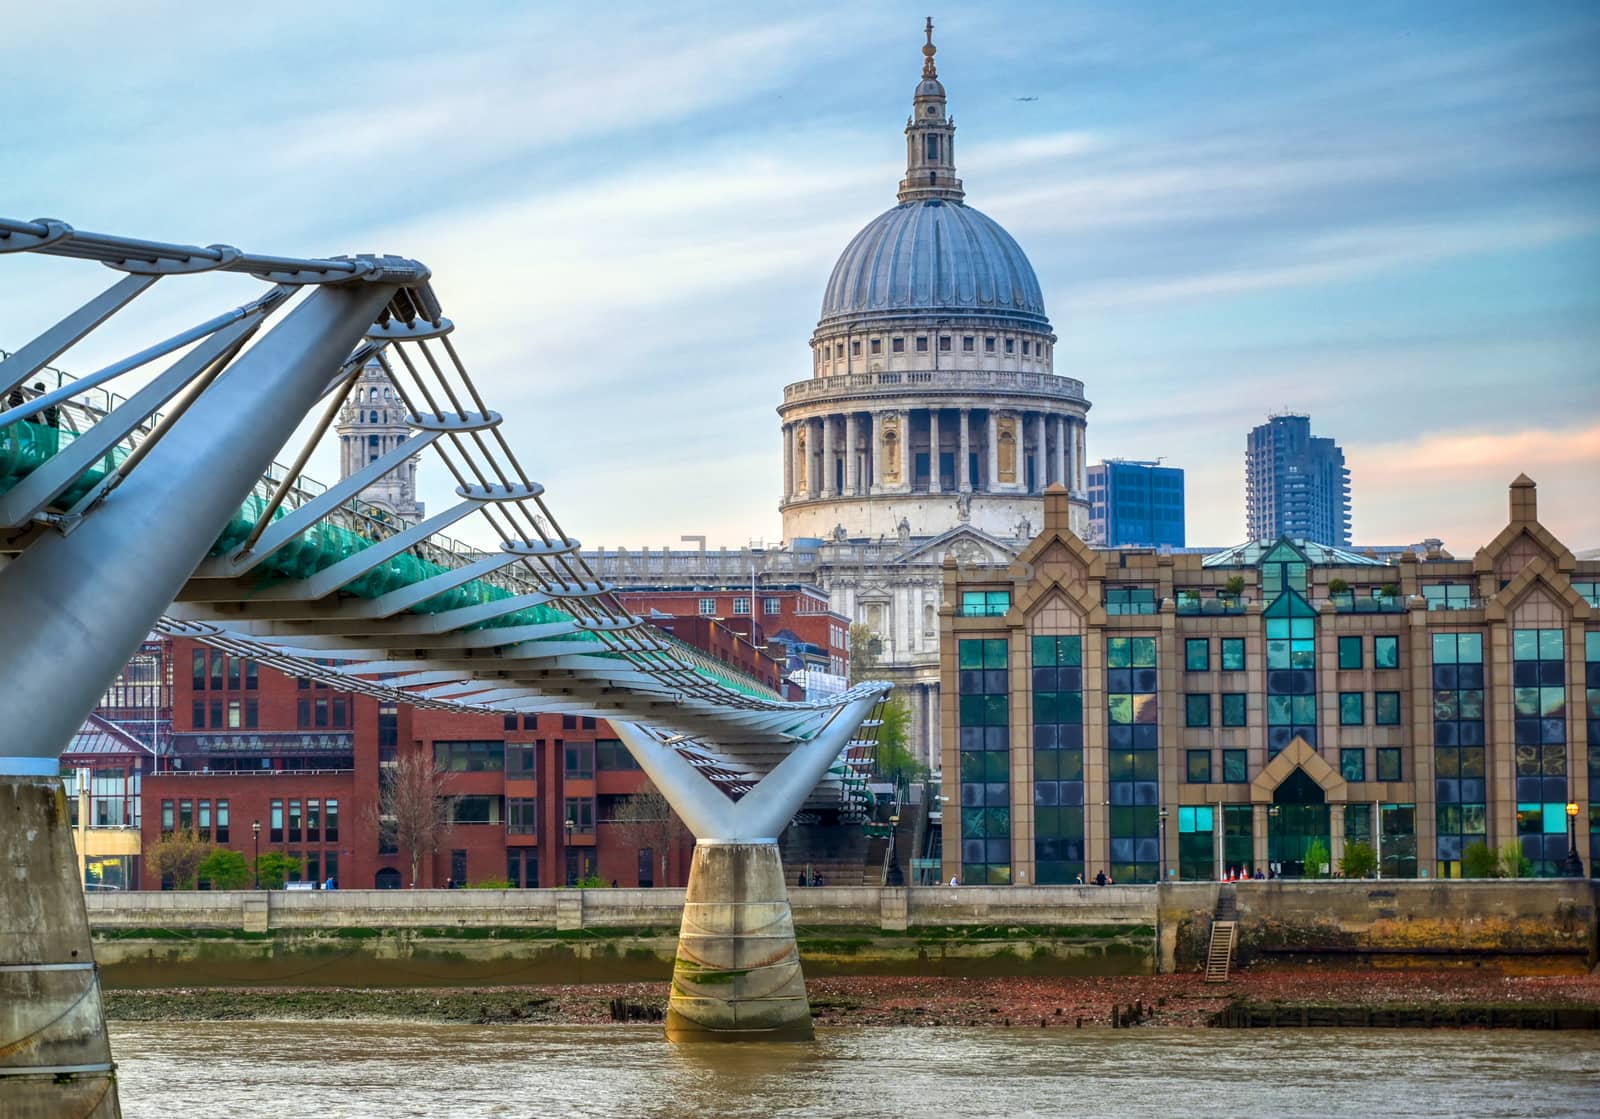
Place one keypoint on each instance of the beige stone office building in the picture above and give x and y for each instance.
(1177, 715)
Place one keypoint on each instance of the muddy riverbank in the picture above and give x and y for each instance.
(1163, 1000)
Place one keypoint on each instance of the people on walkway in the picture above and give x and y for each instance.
(1100, 879)
(955, 880)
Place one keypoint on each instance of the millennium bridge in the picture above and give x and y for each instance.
(180, 503)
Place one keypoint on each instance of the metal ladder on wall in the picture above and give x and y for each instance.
(1224, 933)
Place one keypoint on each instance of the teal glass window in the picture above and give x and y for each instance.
(1057, 676)
(1198, 767)
(1386, 651)
(1197, 654)
(1233, 709)
(1350, 652)
(1389, 763)
(1353, 764)
(1386, 709)
(1235, 767)
(1233, 654)
(1352, 709)
(985, 604)
(983, 716)
(1197, 710)
(1130, 600)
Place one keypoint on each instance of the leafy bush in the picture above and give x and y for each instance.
(1479, 861)
(1513, 863)
(1317, 857)
(1359, 860)
(178, 856)
(490, 884)
(225, 869)
(274, 867)
(1234, 585)
(1337, 585)
(592, 882)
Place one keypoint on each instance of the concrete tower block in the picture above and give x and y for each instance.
(55, 1059)
(737, 976)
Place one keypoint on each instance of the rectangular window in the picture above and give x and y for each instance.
(579, 761)
(1197, 654)
(1448, 596)
(330, 822)
(1352, 709)
(771, 606)
(897, 345)
(855, 348)
(522, 816)
(922, 344)
(1027, 348)
(1233, 709)
(1389, 763)
(983, 719)
(1386, 709)
(1130, 600)
(988, 345)
(314, 821)
(233, 674)
(475, 810)
(1353, 764)
(222, 821)
(1235, 769)
(1011, 345)
(1197, 710)
(197, 714)
(470, 755)
(985, 604)
(509, 722)
(969, 344)
(235, 714)
(294, 821)
(520, 761)
(877, 345)
(167, 819)
(1386, 651)
(1349, 652)
(199, 683)
(216, 714)
(217, 660)
(275, 831)
(741, 606)
(1233, 654)
(580, 814)
(944, 343)
(708, 606)
(252, 714)
(1199, 767)
(252, 679)
(611, 756)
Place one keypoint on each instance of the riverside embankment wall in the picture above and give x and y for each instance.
(422, 937)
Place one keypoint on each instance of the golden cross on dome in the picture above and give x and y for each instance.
(928, 52)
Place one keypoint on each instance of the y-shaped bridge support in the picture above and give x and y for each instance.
(73, 607)
(737, 976)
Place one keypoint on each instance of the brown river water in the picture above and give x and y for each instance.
(395, 1070)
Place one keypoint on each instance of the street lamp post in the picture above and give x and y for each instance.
(572, 825)
(255, 830)
(1573, 867)
(1162, 816)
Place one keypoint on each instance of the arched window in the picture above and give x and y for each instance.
(387, 879)
(372, 417)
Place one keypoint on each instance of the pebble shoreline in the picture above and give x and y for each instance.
(1167, 1000)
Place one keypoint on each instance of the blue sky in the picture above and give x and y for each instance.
(1387, 216)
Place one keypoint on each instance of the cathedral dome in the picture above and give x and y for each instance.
(933, 255)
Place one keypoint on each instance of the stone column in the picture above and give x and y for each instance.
(1061, 451)
(1041, 469)
(1081, 467)
(964, 453)
(737, 976)
(933, 451)
(55, 1058)
(813, 443)
(827, 456)
(992, 457)
(1259, 828)
(788, 463)
(852, 467)
(875, 438)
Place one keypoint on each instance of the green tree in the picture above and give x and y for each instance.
(1513, 863)
(1359, 860)
(1234, 586)
(274, 867)
(1478, 860)
(1316, 858)
(225, 869)
(178, 856)
(865, 649)
(892, 760)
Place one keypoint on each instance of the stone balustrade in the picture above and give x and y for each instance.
(897, 383)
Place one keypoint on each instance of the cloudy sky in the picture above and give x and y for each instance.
(1386, 216)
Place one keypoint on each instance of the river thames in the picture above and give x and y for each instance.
(391, 1070)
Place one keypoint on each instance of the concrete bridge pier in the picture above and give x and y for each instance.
(737, 976)
(55, 1058)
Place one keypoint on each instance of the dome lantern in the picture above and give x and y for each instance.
(930, 138)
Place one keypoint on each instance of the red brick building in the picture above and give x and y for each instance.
(259, 761)
(799, 619)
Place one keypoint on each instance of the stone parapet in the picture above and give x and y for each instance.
(897, 385)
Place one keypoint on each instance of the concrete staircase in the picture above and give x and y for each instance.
(1224, 935)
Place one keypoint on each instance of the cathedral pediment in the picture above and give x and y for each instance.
(970, 547)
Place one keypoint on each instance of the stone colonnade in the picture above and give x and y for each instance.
(870, 451)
